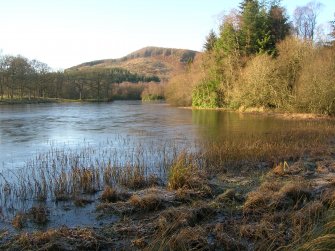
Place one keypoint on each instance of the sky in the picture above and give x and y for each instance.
(64, 33)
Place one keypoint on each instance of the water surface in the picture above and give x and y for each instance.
(27, 130)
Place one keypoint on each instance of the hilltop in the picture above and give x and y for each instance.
(161, 62)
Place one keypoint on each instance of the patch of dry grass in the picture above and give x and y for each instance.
(278, 196)
(173, 219)
(225, 239)
(303, 220)
(180, 229)
(110, 194)
(185, 177)
(147, 202)
(134, 177)
(229, 196)
(39, 215)
(58, 239)
(325, 243)
(81, 202)
(19, 220)
(189, 238)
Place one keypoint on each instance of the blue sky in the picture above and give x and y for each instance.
(63, 33)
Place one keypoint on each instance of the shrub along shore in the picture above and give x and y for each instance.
(259, 60)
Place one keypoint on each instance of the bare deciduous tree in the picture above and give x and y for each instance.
(332, 32)
(305, 20)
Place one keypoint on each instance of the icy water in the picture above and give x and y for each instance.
(27, 130)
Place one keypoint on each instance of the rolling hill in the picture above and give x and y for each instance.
(161, 62)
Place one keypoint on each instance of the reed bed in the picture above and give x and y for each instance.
(67, 174)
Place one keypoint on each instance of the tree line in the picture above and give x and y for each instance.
(261, 59)
(21, 78)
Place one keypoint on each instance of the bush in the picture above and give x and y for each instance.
(273, 82)
(178, 90)
(152, 91)
(255, 87)
(127, 91)
(206, 95)
(293, 54)
(316, 89)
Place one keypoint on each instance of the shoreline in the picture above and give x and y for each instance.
(252, 110)
(269, 113)
(49, 101)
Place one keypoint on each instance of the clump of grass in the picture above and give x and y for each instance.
(189, 238)
(185, 195)
(276, 195)
(325, 242)
(229, 195)
(260, 199)
(293, 194)
(39, 215)
(61, 189)
(120, 208)
(110, 194)
(329, 198)
(225, 239)
(147, 202)
(180, 229)
(81, 202)
(134, 177)
(174, 219)
(86, 180)
(285, 211)
(57, 239)
(181, 173)
(139, 243)
(19, 220)
(184, 174)
(303, 220)
(318, 224)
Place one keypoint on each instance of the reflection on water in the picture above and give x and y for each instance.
(219, 125)
(27, 130)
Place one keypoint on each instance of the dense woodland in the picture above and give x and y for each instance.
(21, 79)
(261, 59)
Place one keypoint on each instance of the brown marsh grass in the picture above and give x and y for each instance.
(58, 239)
(19, 220)
(279, 208)
(110, 194)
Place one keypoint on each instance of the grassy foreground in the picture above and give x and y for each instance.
(273, 193)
